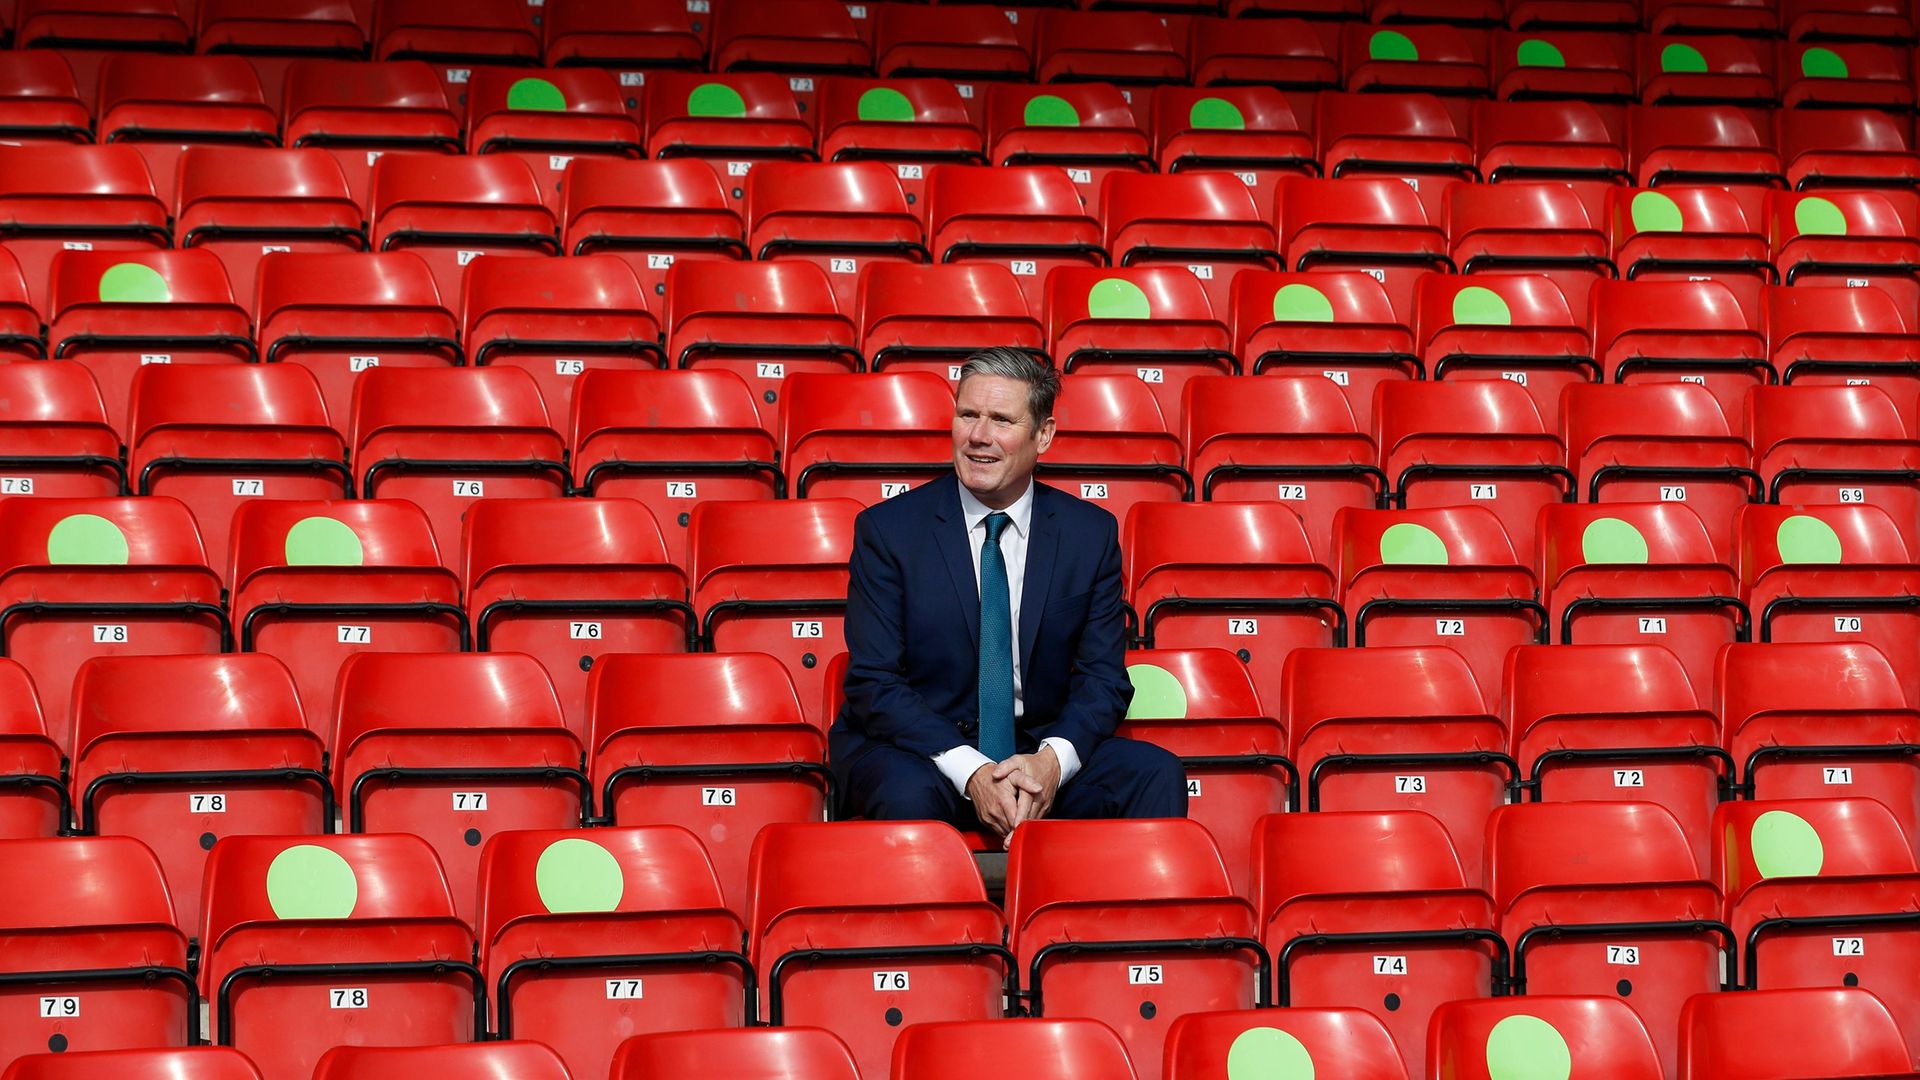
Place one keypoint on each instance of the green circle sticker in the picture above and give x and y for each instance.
(133, 283)
(578, 875)
(1786, 845)
(1656, 212)
(1815, 216)
(1481, 306)
(1051, 110)
(1680, 59)
(1157, 695)
(323, 541)
(1805, 539)
(306, 881)
(1818, 63)
(1536, 53)
(536, 95)
(1522, 1047)
(86, 540)
(1407, 544)
(716, 99)
(1301, 303)
(884, 103)
(1391, 45)
(1610, 540)
(1265, 1053)
(1216, 113)
(1118, 298)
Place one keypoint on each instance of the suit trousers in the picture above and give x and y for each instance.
(1122, 778)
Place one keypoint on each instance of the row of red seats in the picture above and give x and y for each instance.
(1602, 899)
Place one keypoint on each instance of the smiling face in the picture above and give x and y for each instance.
(995, 441)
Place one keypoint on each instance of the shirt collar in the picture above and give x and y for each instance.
(976, 511)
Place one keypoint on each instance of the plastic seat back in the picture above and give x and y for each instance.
(490, 32)
(932, 318)
(1415, 138)
(1684, 233)
(1089, 129)
(1347, 1040)
(1700, 144)
(965, 44)
(1250, 132)
(40, 193)
(1153, 323)
(1519, 138)
(1361, 223)
(626, 36)
(358, 111)
(1834, 444)
(805, 37)
(452, 210)
(557, 320)
(56, 437)
(1206, 223)
(528, 1060)
(1086, 1049)
(1121, 47)
(842, 217)
(1594, 1036)
(243, 203)
(1846, 237)
(729, 121)
(1667, 442)
(1842, 337)
(1715, 69)
(763, 320)
(548, 119)
(865, 437)
(38, 805)
(1029, 220)
(42, 102)
(1517, 328)
(910, 124)
(163, 104)
(1776, 1034)
(1339, 325)
(651, 214)
(1113, 445)
(211, 1062)
(1679, 331)
(1843, 147)
(748, 1053)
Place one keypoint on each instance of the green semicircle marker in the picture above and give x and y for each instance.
(1522, 1047)
(307, 881)
(884, 103)
(1815, 216)
(578, 875)
(133, 283)
(1786, 845)
(1478, 305)
(1405, 543)
(1391, 45)
(1118, 298)
(1806, 539)
(536, 95)
(1216, 114)
(86, 540)
(1682, 59)
(1534, 52)
(1265, 1053)
(717, 100)
(1656, 212)
(324, 541)
(1818, 63)
(1157, 694)
(1301, 303)
(1050, 110)
(1610, 540)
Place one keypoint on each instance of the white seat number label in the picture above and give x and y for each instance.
(716, 796)
(1673, 493)
(843, 266)
(739, 168)
(1410, 785)
(659, 262)
(890, 488)
(16, 485)
(1853, 495)
(469, 489)
(1193, 789)
(1515, 377)
(463, 257)
(350, 998)
(1624, 955)
(1837, 775)
(459, 75)
(1846, 624)
(1203, 271)
(110, 635)
(800, 86)
(1450, 627)
(623, 989)
(583, 631)
(1389, 965)
(1024, 267)
(1151, 374)
(808, 628)
(354, 635)
(1849, 946)
(770, 371)
(1145, 975)
(1653, 625)
(1629, 778)
(1243, 627)
(1093, 491)
(1292, 492)
(1249, 179)
(249, 487)
(559, 162)
(469, 800)
(1697, 380)
(633, 78)
(59, 1008)
(214, 803)
(361, 363)
(1483, 491)
(887, 981)
(682, 489)
(1340, 378)
(155, 358)
(76, 245)
(1080, 176)
(912, 172)
(569, 367)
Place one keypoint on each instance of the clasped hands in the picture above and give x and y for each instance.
(1018, 789)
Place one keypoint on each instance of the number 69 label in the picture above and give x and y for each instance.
(1144, 975)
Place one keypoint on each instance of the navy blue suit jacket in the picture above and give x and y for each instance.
(913, 628)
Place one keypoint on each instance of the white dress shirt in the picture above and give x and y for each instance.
(960, 763)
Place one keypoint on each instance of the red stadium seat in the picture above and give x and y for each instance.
(718, 743)
(1835, 444)
(807, 37)
(1082, 1049)
(840, 217)
(830, 902)
(1088, 129)
(217, 435)
(1529, 228)
(1128, 48)
(1205, 223)
(101, 577)
(567, 581)
(203, 1062)
(557, 320)
(39, 100)
(909, 124)
(275, 34)
(1096, 927)
(547, 118)
(1484, 1038)
(1029, 220)
(243, 204)
(1372, 911)
(1845, 148)
(1678, 331)
(625, 37)
(1338, 325)
(651, 214)
(772, 577)
(1154, 324)
(1612, 723)
(1711, 17)
(1843, 74)
(1343, 1041)
(20, 329)
(313, 583)
(1423, 58)
(1249, 132)
(931, 318)
(1551, 142)
(1706, 69)
(1284, 52)
(163, 104)
(764, 321)
(1834, 1031)
(1583, 888)
(1590, 61)
(566, 914)
(176, 751)
(358, 111)
(1437, 577)
(729, 121)
(865, 437)
(1851, 337)
(1113, 445)
(313, 942)
(1699, 144)
(965, 43)
(1845, 19)
(446, 437)
(453, 746)
(745, 1053)
(1627, 573)
(1408, 137)
(1847, 237)
(1686, 233)
(55, 438)
(520, 1060)
(339, 315)
(89, 939)
(452, 210)
(1515, 328)
(35, 801)
(1291, 439)
(1200, 705)
(489, 32)
(671, 439)
(1374, 225)
(85, 29)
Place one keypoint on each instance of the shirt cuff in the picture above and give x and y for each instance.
(959, 764)
(1069, 757)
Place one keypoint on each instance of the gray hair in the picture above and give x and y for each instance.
(1041, 377)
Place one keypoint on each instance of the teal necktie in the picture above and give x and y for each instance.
(996, 646)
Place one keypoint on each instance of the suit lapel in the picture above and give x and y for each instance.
(1043, 542)
(951, 535)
